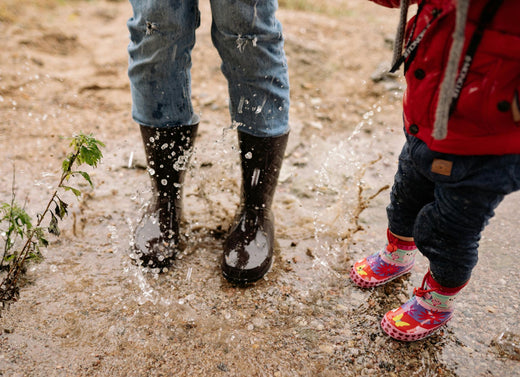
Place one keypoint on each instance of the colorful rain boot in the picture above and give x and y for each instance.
(394, 260)
(427, 311)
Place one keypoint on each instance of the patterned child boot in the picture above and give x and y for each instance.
(394, 260)
(427, 311)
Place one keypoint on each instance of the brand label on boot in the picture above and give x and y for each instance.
(442, 167)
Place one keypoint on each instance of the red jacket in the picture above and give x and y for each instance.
(487, 117)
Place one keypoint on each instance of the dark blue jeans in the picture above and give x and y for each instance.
(447, 213)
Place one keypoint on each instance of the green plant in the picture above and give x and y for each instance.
(22, 239)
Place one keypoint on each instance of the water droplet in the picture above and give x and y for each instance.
(248, 156)
(164, 146)
(164, 182)
(240, 105)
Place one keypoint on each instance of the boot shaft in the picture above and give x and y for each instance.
(168, 152)
(261, 160)
(432, 295)
(397, 251)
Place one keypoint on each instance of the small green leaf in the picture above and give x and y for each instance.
(53, 226)
(87, 149)
(40, 236)
(34, 256)
(43, 242)
(86, 176)
(61, 208)
(66, 164)
(74, 190)
(10, 257)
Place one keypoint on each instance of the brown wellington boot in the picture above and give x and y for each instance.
(249, 246)
(168, 152)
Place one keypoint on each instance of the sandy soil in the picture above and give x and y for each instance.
(86, 310)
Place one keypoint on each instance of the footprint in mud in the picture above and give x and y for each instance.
(53, 43)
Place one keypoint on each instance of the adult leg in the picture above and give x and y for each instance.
(249, 40)
(162, 36)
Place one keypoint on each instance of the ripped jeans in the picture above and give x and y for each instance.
(249, 41)
(445, 214)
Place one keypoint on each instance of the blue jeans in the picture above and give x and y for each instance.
(446, 214)
(249, 40)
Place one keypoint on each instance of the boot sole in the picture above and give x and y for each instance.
(231, 275)
(361, 283)
(396, 334)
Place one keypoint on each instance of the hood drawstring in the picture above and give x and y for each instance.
(447, 92)
(399, 38)
(446, 95)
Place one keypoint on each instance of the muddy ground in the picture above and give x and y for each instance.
(86, 310)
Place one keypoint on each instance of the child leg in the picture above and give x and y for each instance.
(411, 191)
(447, 231)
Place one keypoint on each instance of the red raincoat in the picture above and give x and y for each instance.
(486, 119)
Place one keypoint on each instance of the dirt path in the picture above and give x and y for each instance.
(87, 311)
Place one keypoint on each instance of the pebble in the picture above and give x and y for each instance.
(508, 345)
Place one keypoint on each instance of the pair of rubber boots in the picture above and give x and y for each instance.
(431, 305)
(249, 245)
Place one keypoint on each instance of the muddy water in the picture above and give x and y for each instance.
(88, 310)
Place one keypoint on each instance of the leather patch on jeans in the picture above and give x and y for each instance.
(442, 167)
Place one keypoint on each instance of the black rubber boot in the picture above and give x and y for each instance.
(168, 152)
(249, 246)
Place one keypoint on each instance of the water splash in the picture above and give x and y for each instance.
(340, 179)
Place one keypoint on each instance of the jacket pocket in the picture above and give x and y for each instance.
(488, 95)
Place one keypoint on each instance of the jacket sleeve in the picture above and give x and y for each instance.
(388, 3)
(392, 3)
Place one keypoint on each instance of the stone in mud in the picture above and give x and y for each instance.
(508, 345)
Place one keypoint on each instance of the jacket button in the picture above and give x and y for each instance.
(414, 128)
(503, 106)
(419, 74)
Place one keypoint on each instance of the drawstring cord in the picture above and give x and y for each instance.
(420, 291)
(452, 81)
